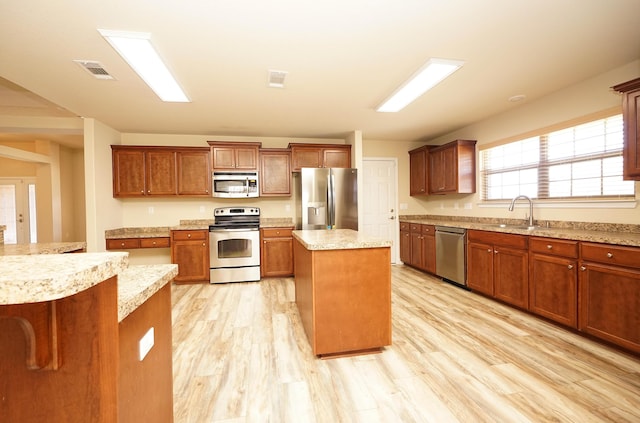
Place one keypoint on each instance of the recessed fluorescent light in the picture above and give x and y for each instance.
(136, 49)
(425, 78)
(276, 78)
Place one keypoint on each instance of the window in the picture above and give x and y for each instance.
(583, 161)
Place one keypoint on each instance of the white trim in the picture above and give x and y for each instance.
(569, 204)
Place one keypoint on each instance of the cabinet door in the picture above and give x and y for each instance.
(609, 304)
(429, 253)
(417, 249)
(161, 172)
(275, 173)
(480, 267)
(405, 247)
(223, 157)
(128, 173)
(511, 275)
(336, 157)
(418, 172)
(305, 157)
(553, 288)
(190, 251)
(194, 174)
(246, 158)
(277, 257)
(436, 172)
(450, 169)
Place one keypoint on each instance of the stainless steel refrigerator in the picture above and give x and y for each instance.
(327, 198)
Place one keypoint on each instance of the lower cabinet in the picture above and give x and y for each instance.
(190, 251)
(276, 252)
(405, 243)
(609, 296)
(553, 279)
(418, 246)
(498, 266)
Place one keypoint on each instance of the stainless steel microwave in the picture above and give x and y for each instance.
(235, 184)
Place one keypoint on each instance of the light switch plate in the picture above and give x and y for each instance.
(146, 343)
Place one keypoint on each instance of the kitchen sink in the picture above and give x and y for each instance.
(508, 226)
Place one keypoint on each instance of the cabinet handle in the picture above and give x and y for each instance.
(549, 246)
(204, 245)
(154, 243)
(495, 251)
(489, 250)
(610, 255)
(188, 235)
(583, 268)
(570, 267)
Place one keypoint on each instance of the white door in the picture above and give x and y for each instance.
(18, 210)
(380, 216)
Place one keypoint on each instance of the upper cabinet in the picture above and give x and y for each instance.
(234, 155)
(141, 171)
(319, 155)
(418, 171)
(631, 116)
(275, 172)
(444, 169)
(452, 168)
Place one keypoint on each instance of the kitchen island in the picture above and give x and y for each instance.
(85, 337)
(343, 291)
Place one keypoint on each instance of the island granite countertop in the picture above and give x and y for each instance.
(338, 239)
(41, 248)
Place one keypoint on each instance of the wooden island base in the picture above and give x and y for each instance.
(344, 299)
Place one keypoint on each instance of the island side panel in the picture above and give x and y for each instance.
(146, 387)
(303, 265)
(352, 296)
(84, 388)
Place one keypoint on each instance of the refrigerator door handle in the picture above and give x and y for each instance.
(331, 209)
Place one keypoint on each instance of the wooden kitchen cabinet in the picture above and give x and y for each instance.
(405, 243)
(418, 171)
(190, 251)
(144, 171)
(452, 168)
(609, 293)
(135, 243)
(194, 174)
(276, 252)
(553, 279)
(498, 266)
(319, 155)
(234, 155)
(631, 116)
(275, 172)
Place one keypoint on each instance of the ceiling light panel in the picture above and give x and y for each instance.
(425, 78)
(276, 78)
(136, 49)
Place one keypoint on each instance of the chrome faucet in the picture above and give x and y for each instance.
(524, 197)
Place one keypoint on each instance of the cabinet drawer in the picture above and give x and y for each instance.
(429, 230)
(123, 243)
(188, 235)
(554, 247)
(276, 232)
(154, 242)
(496, 238)
(610, 254)
(404, 226)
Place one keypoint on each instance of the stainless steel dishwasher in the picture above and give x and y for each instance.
(451, 257)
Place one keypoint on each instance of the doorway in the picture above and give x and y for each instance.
(380, 198)
(18, 210)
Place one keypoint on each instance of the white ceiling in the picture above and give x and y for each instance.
(343, 57)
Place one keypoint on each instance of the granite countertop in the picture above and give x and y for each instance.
(142, 232)
(41, 248)
(618, 234)
(338, 239)
(138, 283)
(36, 278)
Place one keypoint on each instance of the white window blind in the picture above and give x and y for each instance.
(583, 161)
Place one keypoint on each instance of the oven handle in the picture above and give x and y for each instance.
(234, 230)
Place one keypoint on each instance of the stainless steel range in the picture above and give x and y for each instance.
(234, 245)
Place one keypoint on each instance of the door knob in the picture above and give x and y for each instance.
(392, 217)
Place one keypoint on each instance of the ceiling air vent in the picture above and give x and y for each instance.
(94, 68)
(276, 78)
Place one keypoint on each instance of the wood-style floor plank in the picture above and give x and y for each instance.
(241, 355)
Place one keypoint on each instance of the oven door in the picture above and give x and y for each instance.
(234, 255)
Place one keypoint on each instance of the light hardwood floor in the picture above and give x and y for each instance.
(241, 355)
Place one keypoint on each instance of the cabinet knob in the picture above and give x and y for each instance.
(122, 245)
(154, 243)
(204, 245)
(610, 255)
(570, 267)
(188, 235)
(495, 251)
(489, 250)
(583, 268)
(549, 246)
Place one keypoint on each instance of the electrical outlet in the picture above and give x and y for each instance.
(404, 206)
(151, 210)
(146, 343)
(468, 206)
(202, 209)
(287, 207)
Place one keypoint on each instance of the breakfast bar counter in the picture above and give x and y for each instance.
(343, 291)
(85, 337)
